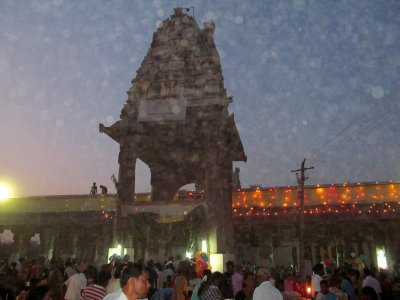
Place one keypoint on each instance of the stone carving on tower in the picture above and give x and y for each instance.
(176, 120)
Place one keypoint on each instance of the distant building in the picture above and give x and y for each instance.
(344, 223)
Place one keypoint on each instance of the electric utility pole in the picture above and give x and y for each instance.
(300, 181)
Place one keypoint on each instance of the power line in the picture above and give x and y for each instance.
(355, 136)
(352, 139)
(318, 153)
(394, 91)
(351, 130)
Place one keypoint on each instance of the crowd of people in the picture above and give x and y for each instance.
(178, 280)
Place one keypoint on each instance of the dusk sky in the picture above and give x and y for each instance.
(310, 79)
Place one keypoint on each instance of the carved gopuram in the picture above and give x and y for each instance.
(176, 120)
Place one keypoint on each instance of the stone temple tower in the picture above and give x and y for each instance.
(176, 120)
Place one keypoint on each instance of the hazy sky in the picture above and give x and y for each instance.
(310, 79)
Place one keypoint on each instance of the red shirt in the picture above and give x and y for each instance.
(94, 292)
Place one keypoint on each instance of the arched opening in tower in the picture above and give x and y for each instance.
(142, 177)
(190, 191)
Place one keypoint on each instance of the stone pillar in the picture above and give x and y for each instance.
(227, 206)
(126, 188)
(104, 241)
(313, 254)
(64, 241)
(126, 177)
(390, 247)
(22, 239)
(330, 251)
(366, 252)
(86, 244)
(355, 248)
(168, 235)
(219, 205)
(128, 240)
(213, 195)
(46, 242)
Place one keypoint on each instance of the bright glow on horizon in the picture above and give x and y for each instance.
(6, 191)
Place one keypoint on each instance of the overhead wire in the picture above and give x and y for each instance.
(365, 126)
(359, 126)
(318, 156)
(347, 127)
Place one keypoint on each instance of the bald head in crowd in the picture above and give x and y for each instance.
(263, 274)
(266, 290)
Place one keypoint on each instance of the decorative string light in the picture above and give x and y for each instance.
(347, 199)
(369, 198)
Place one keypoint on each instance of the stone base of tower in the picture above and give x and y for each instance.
(220, 236)
(220, 246)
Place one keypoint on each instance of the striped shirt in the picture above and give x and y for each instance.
(93, 292)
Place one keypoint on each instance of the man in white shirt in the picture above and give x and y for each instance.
(371, 281)
(316, 278)
(134, 283)
(75, 285)
(266, 290)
